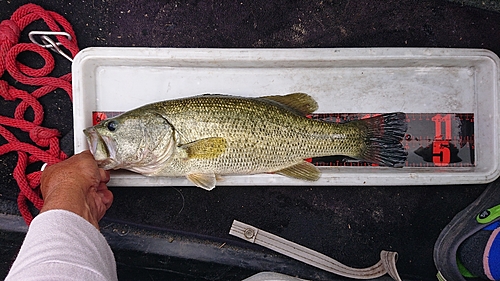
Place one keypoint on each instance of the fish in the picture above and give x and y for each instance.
(207, 136)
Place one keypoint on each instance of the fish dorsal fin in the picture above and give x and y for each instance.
(208, 148)
(300, 102)
(303, 170)
(206, 181)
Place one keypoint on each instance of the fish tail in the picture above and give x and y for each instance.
(384, 135)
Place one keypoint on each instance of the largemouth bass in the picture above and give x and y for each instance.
(207, 136)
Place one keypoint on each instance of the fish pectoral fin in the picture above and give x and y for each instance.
(208, 148)
(304, 104)
(205, 181)
(303, 170)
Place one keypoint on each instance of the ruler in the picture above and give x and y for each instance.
(432, 140)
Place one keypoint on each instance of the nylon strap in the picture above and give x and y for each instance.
(386, 265)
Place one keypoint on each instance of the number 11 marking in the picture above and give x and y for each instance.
(441, 155)
(438, 119)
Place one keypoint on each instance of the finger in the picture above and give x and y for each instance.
(106, 195)
(84, 155)
(104, 175)
(86, 152)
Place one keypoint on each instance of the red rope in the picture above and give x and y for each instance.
(46, 140)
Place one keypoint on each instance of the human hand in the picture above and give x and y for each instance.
(77, 185)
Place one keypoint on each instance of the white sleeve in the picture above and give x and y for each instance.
(61, 245)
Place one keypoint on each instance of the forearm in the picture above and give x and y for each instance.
(62, 245)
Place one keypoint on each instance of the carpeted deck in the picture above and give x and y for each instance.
(350, 224)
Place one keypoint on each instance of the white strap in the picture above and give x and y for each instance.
(386, 265)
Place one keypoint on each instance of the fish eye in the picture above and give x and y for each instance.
(112, 125)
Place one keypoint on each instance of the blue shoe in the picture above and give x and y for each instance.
(469, 246)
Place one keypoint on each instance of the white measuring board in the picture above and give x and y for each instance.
(442, 85)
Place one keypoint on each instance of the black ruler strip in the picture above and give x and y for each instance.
(432, 139)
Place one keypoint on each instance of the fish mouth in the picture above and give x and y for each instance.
(102, 148)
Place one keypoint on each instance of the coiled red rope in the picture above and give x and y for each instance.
(46, 140)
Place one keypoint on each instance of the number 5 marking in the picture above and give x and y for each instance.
(441, 155)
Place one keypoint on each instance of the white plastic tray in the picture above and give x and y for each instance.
(341, 80)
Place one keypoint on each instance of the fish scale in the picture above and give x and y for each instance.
(280, 139)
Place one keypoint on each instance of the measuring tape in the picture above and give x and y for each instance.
(432, 139)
